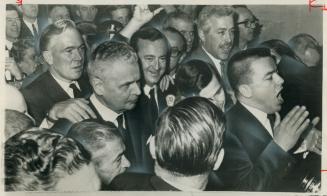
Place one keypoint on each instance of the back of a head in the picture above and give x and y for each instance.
(192, 77)
(239, 66)
(188, 137)
(16, 122)
(37, 159)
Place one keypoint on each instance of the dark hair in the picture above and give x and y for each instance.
(280, 47)
(37, 159)
(239, 66)
(20, 48)
(188, 137)
(192, 77)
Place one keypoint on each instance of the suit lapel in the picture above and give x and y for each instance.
(53, 89)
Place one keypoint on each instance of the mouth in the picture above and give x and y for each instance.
(279, 96)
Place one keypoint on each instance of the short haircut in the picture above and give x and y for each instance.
(280, 47)
(93, 135)
(16, 122)
(174, 31)
(177, 15)
(188, 137)
(216, 11)
(54, 29)
(109, 51)
(147, 33)
(192, 77)
(37, 159)
(239, 66)
(20, 48)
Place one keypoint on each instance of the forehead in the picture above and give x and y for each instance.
(68, 38)
(156, 48)
(244, 14)
(59, 10)
(11, 14)
(174, 39)
(120, 11)
(261, 66)
(221, 22)
(182, 25)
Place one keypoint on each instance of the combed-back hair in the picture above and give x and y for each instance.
(192, 77)
(188, 137)
(36, 159)
(109, 52)
(93, 135)
(213, 10)
(239, 66)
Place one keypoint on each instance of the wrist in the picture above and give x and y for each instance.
(49, 118)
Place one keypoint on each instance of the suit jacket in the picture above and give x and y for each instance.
(139, 182)
(253, 161)
(45, 92)
(25, 32)
(200, 54)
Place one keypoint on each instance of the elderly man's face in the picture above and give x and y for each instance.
(87, 12)
(30, 10)
(58, 13)
(121, 15)
(218, 41)
(120, 88)
(176, 43)
(187, 29)
(153, 56)
(110, 161)
(266, 85)
(12, 25)
(66, 55)
(245, 32)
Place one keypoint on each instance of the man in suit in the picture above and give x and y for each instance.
(186, 147)
(258, 150)
(31, 25)
(152, 50)
(60, 92)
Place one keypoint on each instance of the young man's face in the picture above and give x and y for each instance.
(218, 41)
(12, 24)
(266, 85)
(87, 12)
(153, 56)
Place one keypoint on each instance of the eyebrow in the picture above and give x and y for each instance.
(270, 73)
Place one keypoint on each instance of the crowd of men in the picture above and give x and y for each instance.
(168, 97)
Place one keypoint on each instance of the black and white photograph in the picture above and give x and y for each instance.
(180, 96)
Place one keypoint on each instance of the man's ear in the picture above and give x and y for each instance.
(219, 159)
(201, 35)
(245, 90)
(97, 85)
(48, 57)
(152, 147)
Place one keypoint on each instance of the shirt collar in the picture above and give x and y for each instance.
(29, 25)
(181, 186)
(106, 113)
(147, 89)
(215, 60)
(65, 85)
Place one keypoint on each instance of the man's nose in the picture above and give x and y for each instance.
(279, 79)
(125, 162)
(78, 54)
(136, 89)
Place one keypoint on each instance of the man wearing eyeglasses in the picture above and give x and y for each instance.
(247, 25)
(61, 91)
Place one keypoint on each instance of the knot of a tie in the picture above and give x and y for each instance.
(77, 93)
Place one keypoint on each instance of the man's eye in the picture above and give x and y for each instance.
(150, 59)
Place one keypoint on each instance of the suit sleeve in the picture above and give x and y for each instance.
(241, 172)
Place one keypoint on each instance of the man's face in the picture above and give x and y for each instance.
(266, 85)
(308, 52)
(30, 10)
(28, 65)
(187, 29)
(245, 33)
(110, 161)
(214, 92)
(218, 41)
(12, 25)
(176, 43)
(153, 56)
(58, 13)
(121, 15)
(87, 12)
(121, 86)
(67, 51)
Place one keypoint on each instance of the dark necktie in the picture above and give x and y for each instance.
(271, 118)
(122, 130)
(153, 104)
(35, 34)
(76, 91)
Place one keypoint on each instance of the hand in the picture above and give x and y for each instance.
(165, 82)
(290, 128)
(142, 14)
(313, 141)
(74, 110)
(12, 67)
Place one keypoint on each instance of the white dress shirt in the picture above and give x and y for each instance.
(147, 90)
(30, 27)
(215, 61)
(65, 86)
